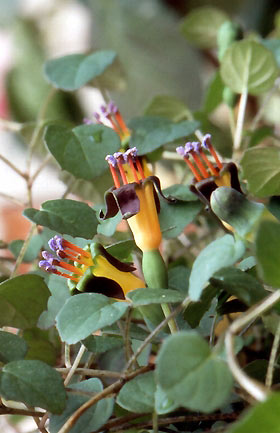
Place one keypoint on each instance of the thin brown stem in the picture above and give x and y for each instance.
(93, 373)
(23, 250)
(13, 167)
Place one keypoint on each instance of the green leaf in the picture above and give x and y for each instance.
(93, 418)
(234, 208)
(108, 227)
(122, 250)
(178, 278)
(181, 192)
(274, 46)
(150, 133)
(32, 251)
(167, 106)
(218, 254)
(59, 295)
(268, 252)
(257, 136)
(261, 418)
(75, 70)
(82, 150)
(248, 65)
(86, 313)
(200, 27)
(163, 404)
(33, 383)
(66, 217)
(101, 344)
(195, 378)
(12, 347)
(274, 206)
(240, 284)
(214, 94)
(22, 300)
(138, 395)
(196, 310)
(147, 296)
(261, 168)
(174, 217)
(39, 346)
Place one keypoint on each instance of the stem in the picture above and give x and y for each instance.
(93, 373)
(112, 389)
(39, 169)
(67, 357)
(23, 250)
(75, 365)
(232, 122)
(155, 422)
(272, 358)
(256, 389)
(12, 199)
(240, 119)
(12, 166)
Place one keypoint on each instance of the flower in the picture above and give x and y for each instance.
(91, 269)
(136, 198)
(207, 175)
(110, 116)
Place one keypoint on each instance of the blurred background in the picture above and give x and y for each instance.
(154, 58)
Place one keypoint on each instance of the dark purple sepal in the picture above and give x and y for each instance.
(234, 180)
(157, 185)
(204, 189)
(124, 199)
(102, 285)
(100, 250)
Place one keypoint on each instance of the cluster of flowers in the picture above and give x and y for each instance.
(134, 195)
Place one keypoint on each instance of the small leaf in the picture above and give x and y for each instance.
(240, 284)
(195, 378)
(248, 65)
(257, 136)
(93, 418)
(12, 347)
(174, 217)
(200, 27)
(268, 252)
(218, 254)
(181, 192)
(150, 133)
(261, 168)
(163, 404)
(89, 312)
(234, 208)
(82, 150)
(39, 346)
(122, 250)
(274, 46)
(22, 300)
(66, 217)
(178, 278)
(138, 395)
(101, 344)
(75, 70)
(33, 383)
(167, 106)
(214, 94)
(33, 249)
(147, 296)
(196, 310)
(261, 418)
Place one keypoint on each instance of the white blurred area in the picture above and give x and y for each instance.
(66, 29)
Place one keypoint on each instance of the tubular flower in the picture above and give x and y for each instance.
(111, 116)
(136, 198)
(91, 269)
(207, 175)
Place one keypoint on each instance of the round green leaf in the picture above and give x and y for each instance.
(268, 253)
(261, 168)
(218, 254)
(32, 251)
(248, 65)
(167, 106)
(82, 150)
(22, 300)
(101, 344)
(195, 378)
(138, 395)
(150, 133)
(12, 347)
(66, 217)
(200, 27)
(147, 296)
(33, 383)
(93, 418)
(75, 70)
(86, 313)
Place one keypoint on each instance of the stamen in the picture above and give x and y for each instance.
(208, 145)
(195, 152)
(131, 163)
(75, 248)
(67, 254)
(193, 169)
(112, 164)
(140, 169)
(69, 267)
(120, 160)
(62, 274)
(213, 170)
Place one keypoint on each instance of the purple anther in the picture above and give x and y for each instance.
(206, 141)
(119, 157)
(44, 264)
(112, 108)
(56, 243)
(111, 160)
(196, 146)
(96, 116)
(103, 109)
(130, 152)
(181, 150)
(87, 121)
(49, 257)
(188, 147)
